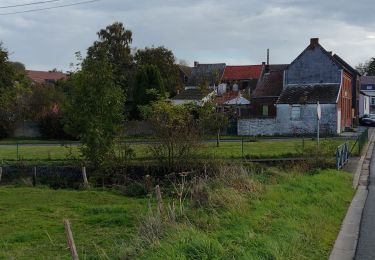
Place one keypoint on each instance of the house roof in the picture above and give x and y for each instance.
(345, 65)
(45, 76)
(185, 69)
(368, 80)
(310, 94)
(270, 85)
(368, 93)
(226, 97)
(210, 73)
(278, 67)
(239, 100)
(190, 94)
(242, 72)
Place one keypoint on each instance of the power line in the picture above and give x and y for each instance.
(32, 3)
(49, 8)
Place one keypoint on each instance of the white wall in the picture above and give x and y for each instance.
(285, 125)
(364, 105)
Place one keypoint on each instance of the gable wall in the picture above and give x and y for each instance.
(313, 66)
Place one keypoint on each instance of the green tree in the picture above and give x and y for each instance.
(115, 42)
(94, 109)
(164, 60)
(367, 68)
(149, 87)
(176, 133)
(212, 120)
(12, 92)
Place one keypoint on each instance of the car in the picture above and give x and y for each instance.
(368, 120)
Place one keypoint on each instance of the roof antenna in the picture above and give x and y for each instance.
(268, 56)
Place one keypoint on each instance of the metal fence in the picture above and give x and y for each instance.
(342, 155)
(343, 152)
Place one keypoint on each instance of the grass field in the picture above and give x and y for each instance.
(294, 217)
(260, 149)
(31, 222)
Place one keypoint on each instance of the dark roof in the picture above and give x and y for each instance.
(210, 73)
(278, 67)
(270, 86)
(368, 80)
(190, 94)
(310, 94)
(244, 72)
(345, 65)
(186, 70)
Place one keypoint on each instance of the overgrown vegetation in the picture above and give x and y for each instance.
(221, 213)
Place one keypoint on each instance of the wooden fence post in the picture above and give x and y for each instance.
(85, 181)
(159, 200)
(34, 176)
(69, 237)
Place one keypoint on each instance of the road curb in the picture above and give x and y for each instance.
(346, 242)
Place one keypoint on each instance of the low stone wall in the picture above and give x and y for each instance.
(257, 126)
(26, 129)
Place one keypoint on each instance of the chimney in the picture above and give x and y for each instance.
(314, 42)
(196, 63)
(267, 68)
(268, 56)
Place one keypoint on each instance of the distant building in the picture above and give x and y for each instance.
(45, 77)
(206, 74)
(368, 89)
(243, 77)
(192, 95)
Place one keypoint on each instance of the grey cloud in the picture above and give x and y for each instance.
(207, 30)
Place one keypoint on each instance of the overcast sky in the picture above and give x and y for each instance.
(209, 31)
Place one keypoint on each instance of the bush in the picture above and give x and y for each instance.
(51, 127)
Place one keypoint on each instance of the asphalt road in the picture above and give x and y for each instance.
(366, 242)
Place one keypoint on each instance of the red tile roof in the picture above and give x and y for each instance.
(242, 72)
(45, 76)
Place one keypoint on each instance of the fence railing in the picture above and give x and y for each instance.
(342, 155)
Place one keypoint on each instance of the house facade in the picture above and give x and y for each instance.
(316, 76)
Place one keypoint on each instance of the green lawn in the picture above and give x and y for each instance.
(227, 150)
(294, 217)
(31, 223)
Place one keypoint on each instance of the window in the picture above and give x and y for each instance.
(296, 112)
(372, 101)
(265, 110)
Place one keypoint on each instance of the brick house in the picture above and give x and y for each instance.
(315, 75)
